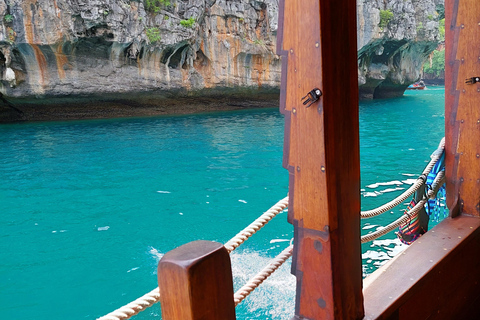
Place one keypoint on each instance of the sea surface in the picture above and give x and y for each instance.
(87, 208)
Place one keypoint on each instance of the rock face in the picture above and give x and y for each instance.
(391, 57)
(87, 47)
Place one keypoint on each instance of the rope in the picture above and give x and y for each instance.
(153, 296)
(266, 272)
(439, 180)
(134, 307)
(436, 155)
(256, 225)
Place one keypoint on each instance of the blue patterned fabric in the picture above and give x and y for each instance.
(436, 208)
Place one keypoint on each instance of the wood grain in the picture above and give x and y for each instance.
(433, 278)
(195, 282)
(317, 41)
(462, 106)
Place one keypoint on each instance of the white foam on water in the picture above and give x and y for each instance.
(133, 269)
(279, 240)
(391, 190)
(389, 183)
(409, 181)
(369, 194)
(275, 298)
(375, 255)
(160, 191)
(155, 254)
(103, 228)
(409, 174)
(369, 226)
(180, 213)
(242, 201)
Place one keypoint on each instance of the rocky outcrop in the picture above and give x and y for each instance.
(391, 52)
(66, 47)
(89, 47)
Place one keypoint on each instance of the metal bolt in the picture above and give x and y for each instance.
(464, 90)
(291, 51)
(298, 169)
(294, 110)
(462, 26)
(462, 121)
(322, 168)
(317, 45)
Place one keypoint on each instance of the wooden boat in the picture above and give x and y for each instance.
(438, 276)
(417, 86)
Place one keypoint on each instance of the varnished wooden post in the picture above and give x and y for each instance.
(462, 106)
(196, 283)
(317, 41)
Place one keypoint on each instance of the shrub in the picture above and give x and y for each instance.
(155, 5)
(8, 18)
(438, 63)
(188, 23)
(441, 29)
(385, 17)
(153, 34)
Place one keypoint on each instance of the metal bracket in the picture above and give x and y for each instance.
(312, 97)
(472, 80)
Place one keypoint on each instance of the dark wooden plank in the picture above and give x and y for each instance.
(195, 282)
(462, 101)
(317, 41)
(432, 279)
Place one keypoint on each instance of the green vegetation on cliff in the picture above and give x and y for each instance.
(437, 65)
(385, 17)
(155, 5)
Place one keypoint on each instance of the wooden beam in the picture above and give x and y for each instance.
(432, 279)
(195, 282)
(317, 41)
(462, 111)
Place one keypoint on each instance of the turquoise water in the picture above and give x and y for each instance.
(89, 207)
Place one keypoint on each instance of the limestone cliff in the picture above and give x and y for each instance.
(85, 47)
(395, 38)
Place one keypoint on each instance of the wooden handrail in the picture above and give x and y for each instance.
(196, 283)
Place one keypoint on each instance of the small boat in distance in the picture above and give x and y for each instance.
(420, 85)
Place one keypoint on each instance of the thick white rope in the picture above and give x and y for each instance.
(437, 183)
(153, 296)
(420, 181)
(266, 272)
(256, 225)
(134, 307)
